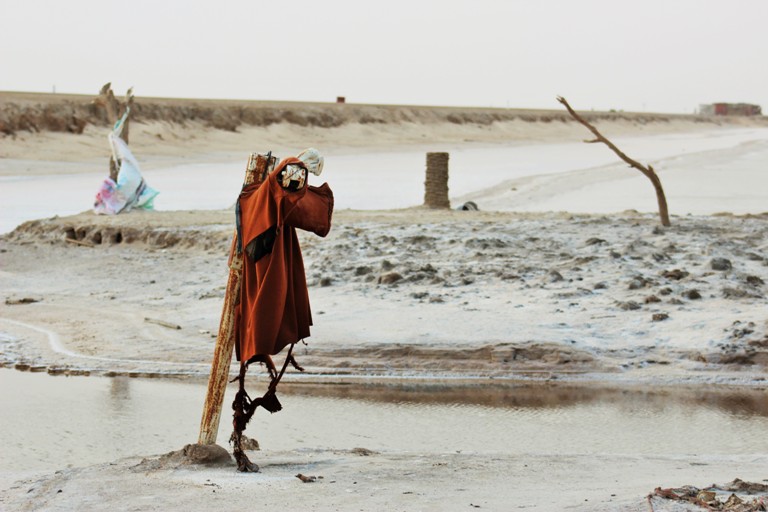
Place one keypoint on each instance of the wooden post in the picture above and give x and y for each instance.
(257, 169)
(436, 183)
(115, 109)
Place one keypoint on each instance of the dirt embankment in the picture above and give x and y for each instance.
(36, 112)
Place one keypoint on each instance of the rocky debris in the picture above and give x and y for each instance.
(363, 452)
(24, 300)
(675, 274)
(553, 276)
(692, 294)
(191, 455)
(659, 317)
(744, 345)
(730, 292)
(737, 496)
(629, 305)
(430, 258)
(390, 278)
(721, 264)
(638, 282)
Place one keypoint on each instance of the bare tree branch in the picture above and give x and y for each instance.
(647, 171)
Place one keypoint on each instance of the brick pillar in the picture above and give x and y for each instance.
(436, 184)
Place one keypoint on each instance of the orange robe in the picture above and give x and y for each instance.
(274, 302)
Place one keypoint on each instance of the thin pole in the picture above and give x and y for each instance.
(256, 171)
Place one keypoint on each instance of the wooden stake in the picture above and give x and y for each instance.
(115, 109)
(222, 353)
(257, 169)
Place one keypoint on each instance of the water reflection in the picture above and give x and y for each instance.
(542, 395)
(119, 393)
(51, 422)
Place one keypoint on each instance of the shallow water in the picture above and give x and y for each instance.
(372, 180)
(50, 422)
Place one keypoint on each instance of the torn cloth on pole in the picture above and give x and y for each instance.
(274, 303)
(130, 190)
(273, 311)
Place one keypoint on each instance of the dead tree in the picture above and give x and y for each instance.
(647, 171)
(115, 110)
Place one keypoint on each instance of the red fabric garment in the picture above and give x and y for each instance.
(274, 302)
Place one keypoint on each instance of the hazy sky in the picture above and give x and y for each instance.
(640, 55)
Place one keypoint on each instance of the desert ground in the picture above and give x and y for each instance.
(547, 284)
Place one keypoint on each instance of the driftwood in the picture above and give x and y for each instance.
(646, 170)
(115, 110)
(79, 242)
(257, 169)
(162, 322)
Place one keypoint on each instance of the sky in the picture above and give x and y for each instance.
(632, 55)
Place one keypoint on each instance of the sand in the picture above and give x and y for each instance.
(545, 290)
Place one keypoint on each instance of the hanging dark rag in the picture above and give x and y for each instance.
(273, 310)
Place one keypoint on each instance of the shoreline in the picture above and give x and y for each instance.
(736, 379)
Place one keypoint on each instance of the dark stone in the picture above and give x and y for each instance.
(721, 264)
(390, 278)
(555, 276)
(658, 317)
(675, 274)
(629, 305)
(692, 294)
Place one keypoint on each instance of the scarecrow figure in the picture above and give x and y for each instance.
(273, 311)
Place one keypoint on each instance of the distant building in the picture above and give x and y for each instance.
(730, 109)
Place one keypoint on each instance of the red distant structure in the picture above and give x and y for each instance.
(341, 99)
(731, 109)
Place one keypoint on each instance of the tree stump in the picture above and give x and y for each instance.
(115, 110)
(436, 183)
